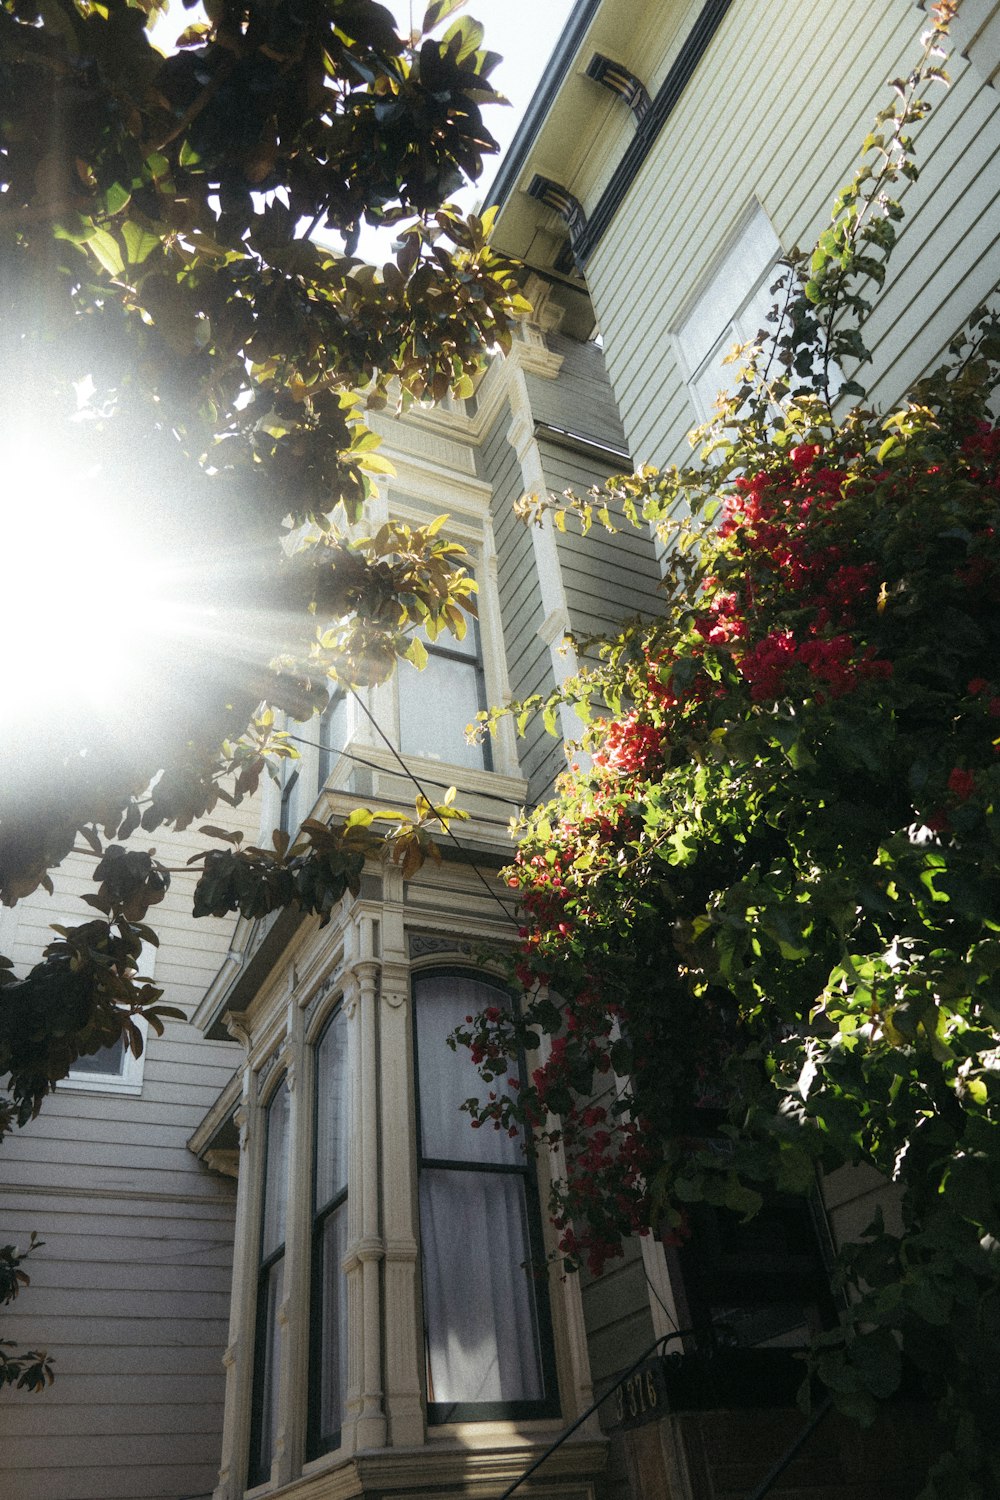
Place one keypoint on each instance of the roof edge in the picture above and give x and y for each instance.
(549, 85)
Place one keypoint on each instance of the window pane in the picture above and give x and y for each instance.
(479, 1301)
(754, 248)
(269, 1369)
(446, 1078)
(434, 707)
(716, 377)
(276, 1174)
(333, 732)
(108, 1063)
(330, 1375)
(333, 1112)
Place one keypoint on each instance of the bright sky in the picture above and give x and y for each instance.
(524, 32)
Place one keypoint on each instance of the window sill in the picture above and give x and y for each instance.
(491, 798)
(95, 1085)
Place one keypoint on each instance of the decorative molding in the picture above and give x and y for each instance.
(422, 944)
(331, 982)
(235, 1022)
(521, 435)
(555, 627)
(561, 200)
(266, 1068)
(225, 1163)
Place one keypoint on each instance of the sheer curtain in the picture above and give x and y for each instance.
(480, 1304)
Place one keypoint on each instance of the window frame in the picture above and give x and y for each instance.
(317, 1443)
(733, 331)
(474, 661)
(127, 1081)
(256, 1473)
(444, 1413)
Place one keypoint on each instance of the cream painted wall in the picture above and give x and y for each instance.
(777, 110)
(130, 1292)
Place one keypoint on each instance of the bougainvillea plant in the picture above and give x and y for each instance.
(766, 892)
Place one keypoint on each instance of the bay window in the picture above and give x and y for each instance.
(394, 1278)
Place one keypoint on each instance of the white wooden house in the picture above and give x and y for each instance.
(375, 1335)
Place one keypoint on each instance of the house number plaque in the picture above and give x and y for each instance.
(642, 1397)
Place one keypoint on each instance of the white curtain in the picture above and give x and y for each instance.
(479, 1296)
(479, 1305)
(333, 1325)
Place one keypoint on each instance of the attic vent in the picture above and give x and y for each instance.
(617, 78)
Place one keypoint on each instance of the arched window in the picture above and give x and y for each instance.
(270, 1288)
(486, 1314)
(328, 1304)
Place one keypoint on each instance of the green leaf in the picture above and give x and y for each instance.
(139, 243)
(416, 652)
(105, 248)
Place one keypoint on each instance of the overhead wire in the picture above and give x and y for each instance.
(373, 765)
(449, 831)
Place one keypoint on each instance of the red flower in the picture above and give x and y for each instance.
(975, 686)
(962, 783)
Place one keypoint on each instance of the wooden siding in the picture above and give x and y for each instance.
(618, 1320)
(580, 398)
(607, 577)
(790, 136)
(130, 1291)
(529, 665)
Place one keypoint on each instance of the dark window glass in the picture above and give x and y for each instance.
(270, 1280)
(328, 1313)
(332, 735)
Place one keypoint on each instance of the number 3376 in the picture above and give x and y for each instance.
(636, 1396)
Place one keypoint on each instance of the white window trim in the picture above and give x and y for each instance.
(129, 1081)
(81, 1080)
(732, 332)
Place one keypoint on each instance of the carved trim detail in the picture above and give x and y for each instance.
(421, 944)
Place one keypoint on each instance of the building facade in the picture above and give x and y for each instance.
(384, 1337)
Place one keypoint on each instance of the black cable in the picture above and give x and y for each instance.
(372, 765)
(511, 917)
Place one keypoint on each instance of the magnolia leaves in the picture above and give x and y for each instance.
(323, 864)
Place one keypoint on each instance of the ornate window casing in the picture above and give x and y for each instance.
(351, 1307)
